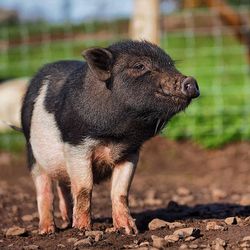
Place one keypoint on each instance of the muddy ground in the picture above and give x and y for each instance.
(175, 182)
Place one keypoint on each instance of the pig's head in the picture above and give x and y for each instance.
(142, 77)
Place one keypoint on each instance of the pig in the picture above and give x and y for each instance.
(85, 122)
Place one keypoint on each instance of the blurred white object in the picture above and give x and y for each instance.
(11, 95)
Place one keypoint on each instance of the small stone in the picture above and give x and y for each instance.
(182, 191)
(176, 224)
(97, 235)
(14, 209)
(34, 232)
(189, 231)
(190, 238)
(220, 242)
(15, 231)
(193, 246)
(218, 194)
(158, 242)
(245, 200)
(246, 238)
(27, 217)
(110, 230)
(83, 242)
(213, 225)
(60, 246)
(72, 240)
(144, 244)
(247, 219)
(231, 221)
(153, 202)
(157, 223)
(171, 238)
(30, 247)
(183, 246)
(130, 246)
(245, 244)
(35, 215)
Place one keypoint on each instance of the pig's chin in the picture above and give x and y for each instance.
(176, 102)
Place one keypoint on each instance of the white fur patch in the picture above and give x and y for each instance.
(45, 138)
(121, 179)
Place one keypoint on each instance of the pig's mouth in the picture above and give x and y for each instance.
(165, 94)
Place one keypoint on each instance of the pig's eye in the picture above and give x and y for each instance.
(139, 67)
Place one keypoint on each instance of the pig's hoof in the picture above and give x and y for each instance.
(47, 229)
(82, 224)
(125, 222)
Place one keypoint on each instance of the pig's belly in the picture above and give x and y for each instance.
(45, 140)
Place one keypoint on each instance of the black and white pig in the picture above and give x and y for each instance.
(86, 121)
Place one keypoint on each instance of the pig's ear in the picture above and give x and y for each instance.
(100, 62)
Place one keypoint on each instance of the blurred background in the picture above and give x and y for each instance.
(209, 39)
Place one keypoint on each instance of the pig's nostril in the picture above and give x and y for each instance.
(190, 87)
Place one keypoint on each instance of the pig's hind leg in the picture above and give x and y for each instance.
(44, 190)
(65, 202)
(121, 180)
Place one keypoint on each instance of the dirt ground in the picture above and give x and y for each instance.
(175, 182)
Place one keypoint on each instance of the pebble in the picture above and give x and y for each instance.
(72, 240)
(83, 242)
(130, 246)
(183, 200)
(158, 242)
(110, 230)
(218, 194)
(190, 238)
(213, 225)
(219, 242)
(171, 238)
(14, 209)
(97, 235)
(193, 246)
(157, 223)
(153, 202)
(246, 238)
(27, 217)
(182, 191)
(189, 231)
(144, 244)
(231, 221)
(183, 246)
(30, 247)
(15, 231)
(172, 225)
(245, 245)
(61, 246)
(245, 200)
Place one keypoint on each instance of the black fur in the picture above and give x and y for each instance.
(112, 97)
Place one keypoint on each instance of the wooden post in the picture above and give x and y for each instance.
(145, 21)
(230, 17)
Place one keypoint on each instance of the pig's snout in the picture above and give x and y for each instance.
(190, 88)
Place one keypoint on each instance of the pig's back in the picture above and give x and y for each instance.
(54, 75)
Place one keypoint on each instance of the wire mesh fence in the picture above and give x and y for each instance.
(202, 45)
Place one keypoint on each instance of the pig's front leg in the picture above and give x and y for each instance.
(80, 171)
(121, 180)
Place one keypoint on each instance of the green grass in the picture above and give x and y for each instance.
(219, 116)
(12, 141)
(222, 113)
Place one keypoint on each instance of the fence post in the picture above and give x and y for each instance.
(145, 21)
